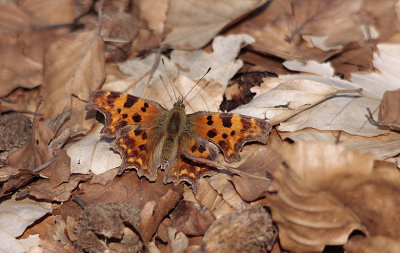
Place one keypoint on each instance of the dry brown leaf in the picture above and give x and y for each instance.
(287, 99)
(322, 181)
(389, 111)
(35, 151)
(104, 177)
(353, 58)
(21, 71)
(74, 66)
(15, 217)
(260, 63)
(210, 198)
(118, 29)
(308, 220)
(111, 221)
(373, 198)
(247, 230)
(191, 218)
(50, 12)
(372, 244)
(303, 29)
(151, 14)
(17, 68)
(7, 172)
(194, 23)
(92, 154)
(261, 164)
(383, 146)
(221, 183)
(20, 100)
(278, 27)
(155, 199)
(50, 246)
(42, 226)
(58, 183)
(319, 163)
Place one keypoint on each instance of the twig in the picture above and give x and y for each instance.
(150, 72)
(223, 168)
(34, 131)
(79, 201)
(45, 165)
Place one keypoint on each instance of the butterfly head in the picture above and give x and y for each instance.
(179, 103)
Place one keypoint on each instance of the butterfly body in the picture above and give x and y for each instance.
(150, 137)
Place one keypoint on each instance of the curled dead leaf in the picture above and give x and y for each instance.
(305, 217)
(191, 218)
(389, 114)
(67, 83)
(372, 244)
(154, 199)
(193, 24)
(260, 165)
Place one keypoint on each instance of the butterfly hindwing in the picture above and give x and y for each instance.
(136, 146)
(229, 131)
(123, 109)
(189, 170)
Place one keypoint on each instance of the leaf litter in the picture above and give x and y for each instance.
(328, 176)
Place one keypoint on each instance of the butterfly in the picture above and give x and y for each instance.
(150, 137)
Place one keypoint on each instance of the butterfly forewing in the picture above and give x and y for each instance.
(122, 109)
(229, 131)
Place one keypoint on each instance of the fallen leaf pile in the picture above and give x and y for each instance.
(325, 74)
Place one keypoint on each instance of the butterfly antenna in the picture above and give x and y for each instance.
(165, 86)
(208, 70)
(170, 80)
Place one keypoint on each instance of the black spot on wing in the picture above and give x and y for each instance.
(144, 136)
(202, 149)
(227, 121)
(137, 132)
(124, 115)
(224, 135)
(137, 118)
(193, 148)
(211, 134)
(142, 147)
(111, 97)
(130, 101)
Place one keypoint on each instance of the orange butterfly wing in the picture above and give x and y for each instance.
(229, 131)
(136, 146)
(188, 170)
(133, 121)
(122, 109)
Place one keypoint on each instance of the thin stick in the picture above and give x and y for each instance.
(100, 13)
(149, 73)
(223, 168)
(34, 132)
(165, 86)
(170, 80)
(45, 165)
